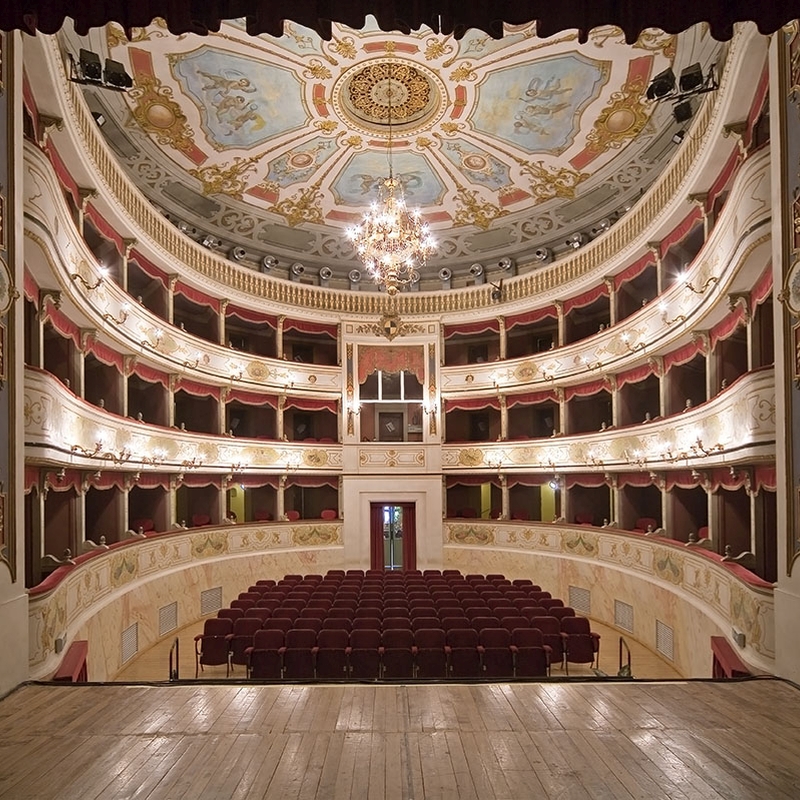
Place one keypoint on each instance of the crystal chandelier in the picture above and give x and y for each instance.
(391, 241)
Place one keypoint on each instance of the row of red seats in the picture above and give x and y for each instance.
(369, 654)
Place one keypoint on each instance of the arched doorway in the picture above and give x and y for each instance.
(393, 536)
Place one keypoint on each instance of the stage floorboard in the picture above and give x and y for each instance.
(693, 740)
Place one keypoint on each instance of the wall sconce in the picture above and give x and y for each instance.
(85, 451)
(237, 370)
(639, 346)
(591, 364)
(195, 362)
(353, 410)
(192, 463)
(555, 483)
(293, 461)
(662, 307)
(430, 410)
(123, 315)
(76, 276)
(157, 335)
(683, 280)
(157, 457)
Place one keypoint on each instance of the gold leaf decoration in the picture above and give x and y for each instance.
(344, 47)
(463, 73)
(470, 457)
(124, 568)
(156, 112)
(471, 211)
(667, 566)
(316, 69)
(226, 179)
(470, 534)
(549, 182)
(210, 544)
(303, 206)
(435, 48)
(451, 128)
(621, 120)
(315, 536)
(326, 125)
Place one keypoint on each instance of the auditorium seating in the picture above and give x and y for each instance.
(373, 625)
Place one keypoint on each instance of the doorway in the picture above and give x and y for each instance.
(393, 533)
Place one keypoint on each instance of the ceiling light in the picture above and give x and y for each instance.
(683, 111)
(678, 137)
(90, 69)
(115, 75)
(392, 242)
(691, 78)
(661, 85)
(576, 240)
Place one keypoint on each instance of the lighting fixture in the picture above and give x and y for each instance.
(89, 70)
(392, 241)
(661, 85)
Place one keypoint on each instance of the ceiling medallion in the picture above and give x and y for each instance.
(361, 97)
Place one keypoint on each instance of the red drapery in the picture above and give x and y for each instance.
(196, 481)
(148, 267)
(681, 479)
(31, 478)
(107, 480)
(196, 296)
(724, 176)
(104, 353)
(635, 374)
(529, 317)
(471, 403)
(589, 480)
(150, 374)
(763, 287)
(682, 355)
(682, 230)
(528, 479)
(307, 326)
(634, 270)
(766, 477)
(633, 479)
(376, 536)
(63, 174)
(252, 316)
(255, 480)
(391, 358)
(586, 298)
(70, 480)
(311, 404)
(62, 323)
(196, 388)
(409, 536)
(152, 480)
(530, 399)
(252, 398)
(472, 480)
(312, 481)
(586, 389)
(727, 326)
(104, 228)
(30, 288)
(467, 328)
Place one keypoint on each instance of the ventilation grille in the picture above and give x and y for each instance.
(665, 640)
(581, 600)
(167, 618)
(623, 616)
(130, 642)
(210, 601)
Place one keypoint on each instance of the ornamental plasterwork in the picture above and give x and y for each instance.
(223, 96)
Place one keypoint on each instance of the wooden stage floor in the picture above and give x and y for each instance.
(678, 740)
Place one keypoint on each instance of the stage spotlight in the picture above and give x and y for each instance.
(683, 111)
(661, 85)
(116, 76)
(691, 78)
(678, 137)
(90, 66)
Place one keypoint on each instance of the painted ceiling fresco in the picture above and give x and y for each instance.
(293, 134)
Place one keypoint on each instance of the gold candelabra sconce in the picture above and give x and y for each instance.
(707, 284)
(353, 410)
(632, 348)
(123, 315)
(664, 309)
(429, 409)
(90, 287)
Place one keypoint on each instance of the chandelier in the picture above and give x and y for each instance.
(392, 242)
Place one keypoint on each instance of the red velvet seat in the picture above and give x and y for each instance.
(366, 623)
(643, 524)
(211, 646)
(550, 628)
(299, 652)
(243, 604)
(333, 654)
(264, 658)
(329, 514)
(241, 638)
(199, 520)
(431, 656)
(479, 623)
(259, 613)
(262, 515)
(231, 613)
(365, 654)
(144, 524)
(531, 654)
(559, 612)
(510, 623)
(463, 654)
(494, 646)
(336, 624)
(581, 645)
(292, 515)
(584, 518)
(455, 622)
(398, 653)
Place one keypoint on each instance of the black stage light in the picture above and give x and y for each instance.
(90, 66)
(661, 85)
(683, 111)
(115, 75)
(691, 78)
